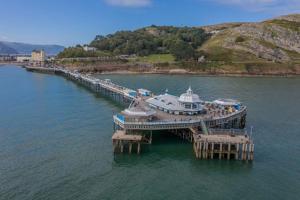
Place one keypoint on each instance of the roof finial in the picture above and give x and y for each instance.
(189, 91)
(166, 91)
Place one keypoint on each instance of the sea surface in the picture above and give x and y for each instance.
(55, 142)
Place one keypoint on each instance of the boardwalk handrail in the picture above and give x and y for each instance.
(182, 121)
(167, 124)
(105, 84)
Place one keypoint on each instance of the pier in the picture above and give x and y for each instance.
(223, 144)
(118, 93)
(215, 128)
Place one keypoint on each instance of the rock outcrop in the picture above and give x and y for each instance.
(276, 40)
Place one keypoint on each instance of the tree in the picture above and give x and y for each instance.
(182, 50)
(180, 41)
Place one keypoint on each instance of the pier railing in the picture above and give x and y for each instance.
(96, 83)
(176, 124)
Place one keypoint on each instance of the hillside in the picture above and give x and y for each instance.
(4, 49)
(268, 47)
(182, 42)
(273, 43)
(23, 48)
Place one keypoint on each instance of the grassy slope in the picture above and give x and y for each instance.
(230, 60)
(221, 58)
(237, 60)
(157, 58)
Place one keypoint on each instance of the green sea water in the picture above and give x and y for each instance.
(55, 142)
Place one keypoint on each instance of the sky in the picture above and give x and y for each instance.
(71, 22)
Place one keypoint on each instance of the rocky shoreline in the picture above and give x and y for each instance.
(176, 72)
(201, 74)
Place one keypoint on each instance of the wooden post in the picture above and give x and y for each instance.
(130, 147)
(203, 150)
(221, 150)
(243, 151)
(138, 148)
(200, 149)
(237, 151)
(114, 146)
(206, 150)
(212, 151)
(229, 149)
(246, 151)
(252, 152)
(195, 149)
(122, 146)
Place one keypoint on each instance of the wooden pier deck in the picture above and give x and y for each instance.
(223, 146)
(121, 140)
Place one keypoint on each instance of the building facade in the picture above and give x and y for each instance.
(38, 57)
(88, 48)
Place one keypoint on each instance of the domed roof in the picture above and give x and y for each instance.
(189, 97)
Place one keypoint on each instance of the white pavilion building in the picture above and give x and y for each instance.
(187, 104)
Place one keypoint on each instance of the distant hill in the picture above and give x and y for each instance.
(4, 49)
(276, 40)
(23, 48)
(268, 47)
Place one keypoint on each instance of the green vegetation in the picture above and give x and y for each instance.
(181, 42)
(237, 48)
(267, 44)
(79, 52)
(292, 25)
(239, 39)
(157, 58)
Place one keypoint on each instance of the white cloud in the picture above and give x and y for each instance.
(129, 3)
(274, 6)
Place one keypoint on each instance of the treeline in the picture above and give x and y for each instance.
(79, 52)
(182, 42)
